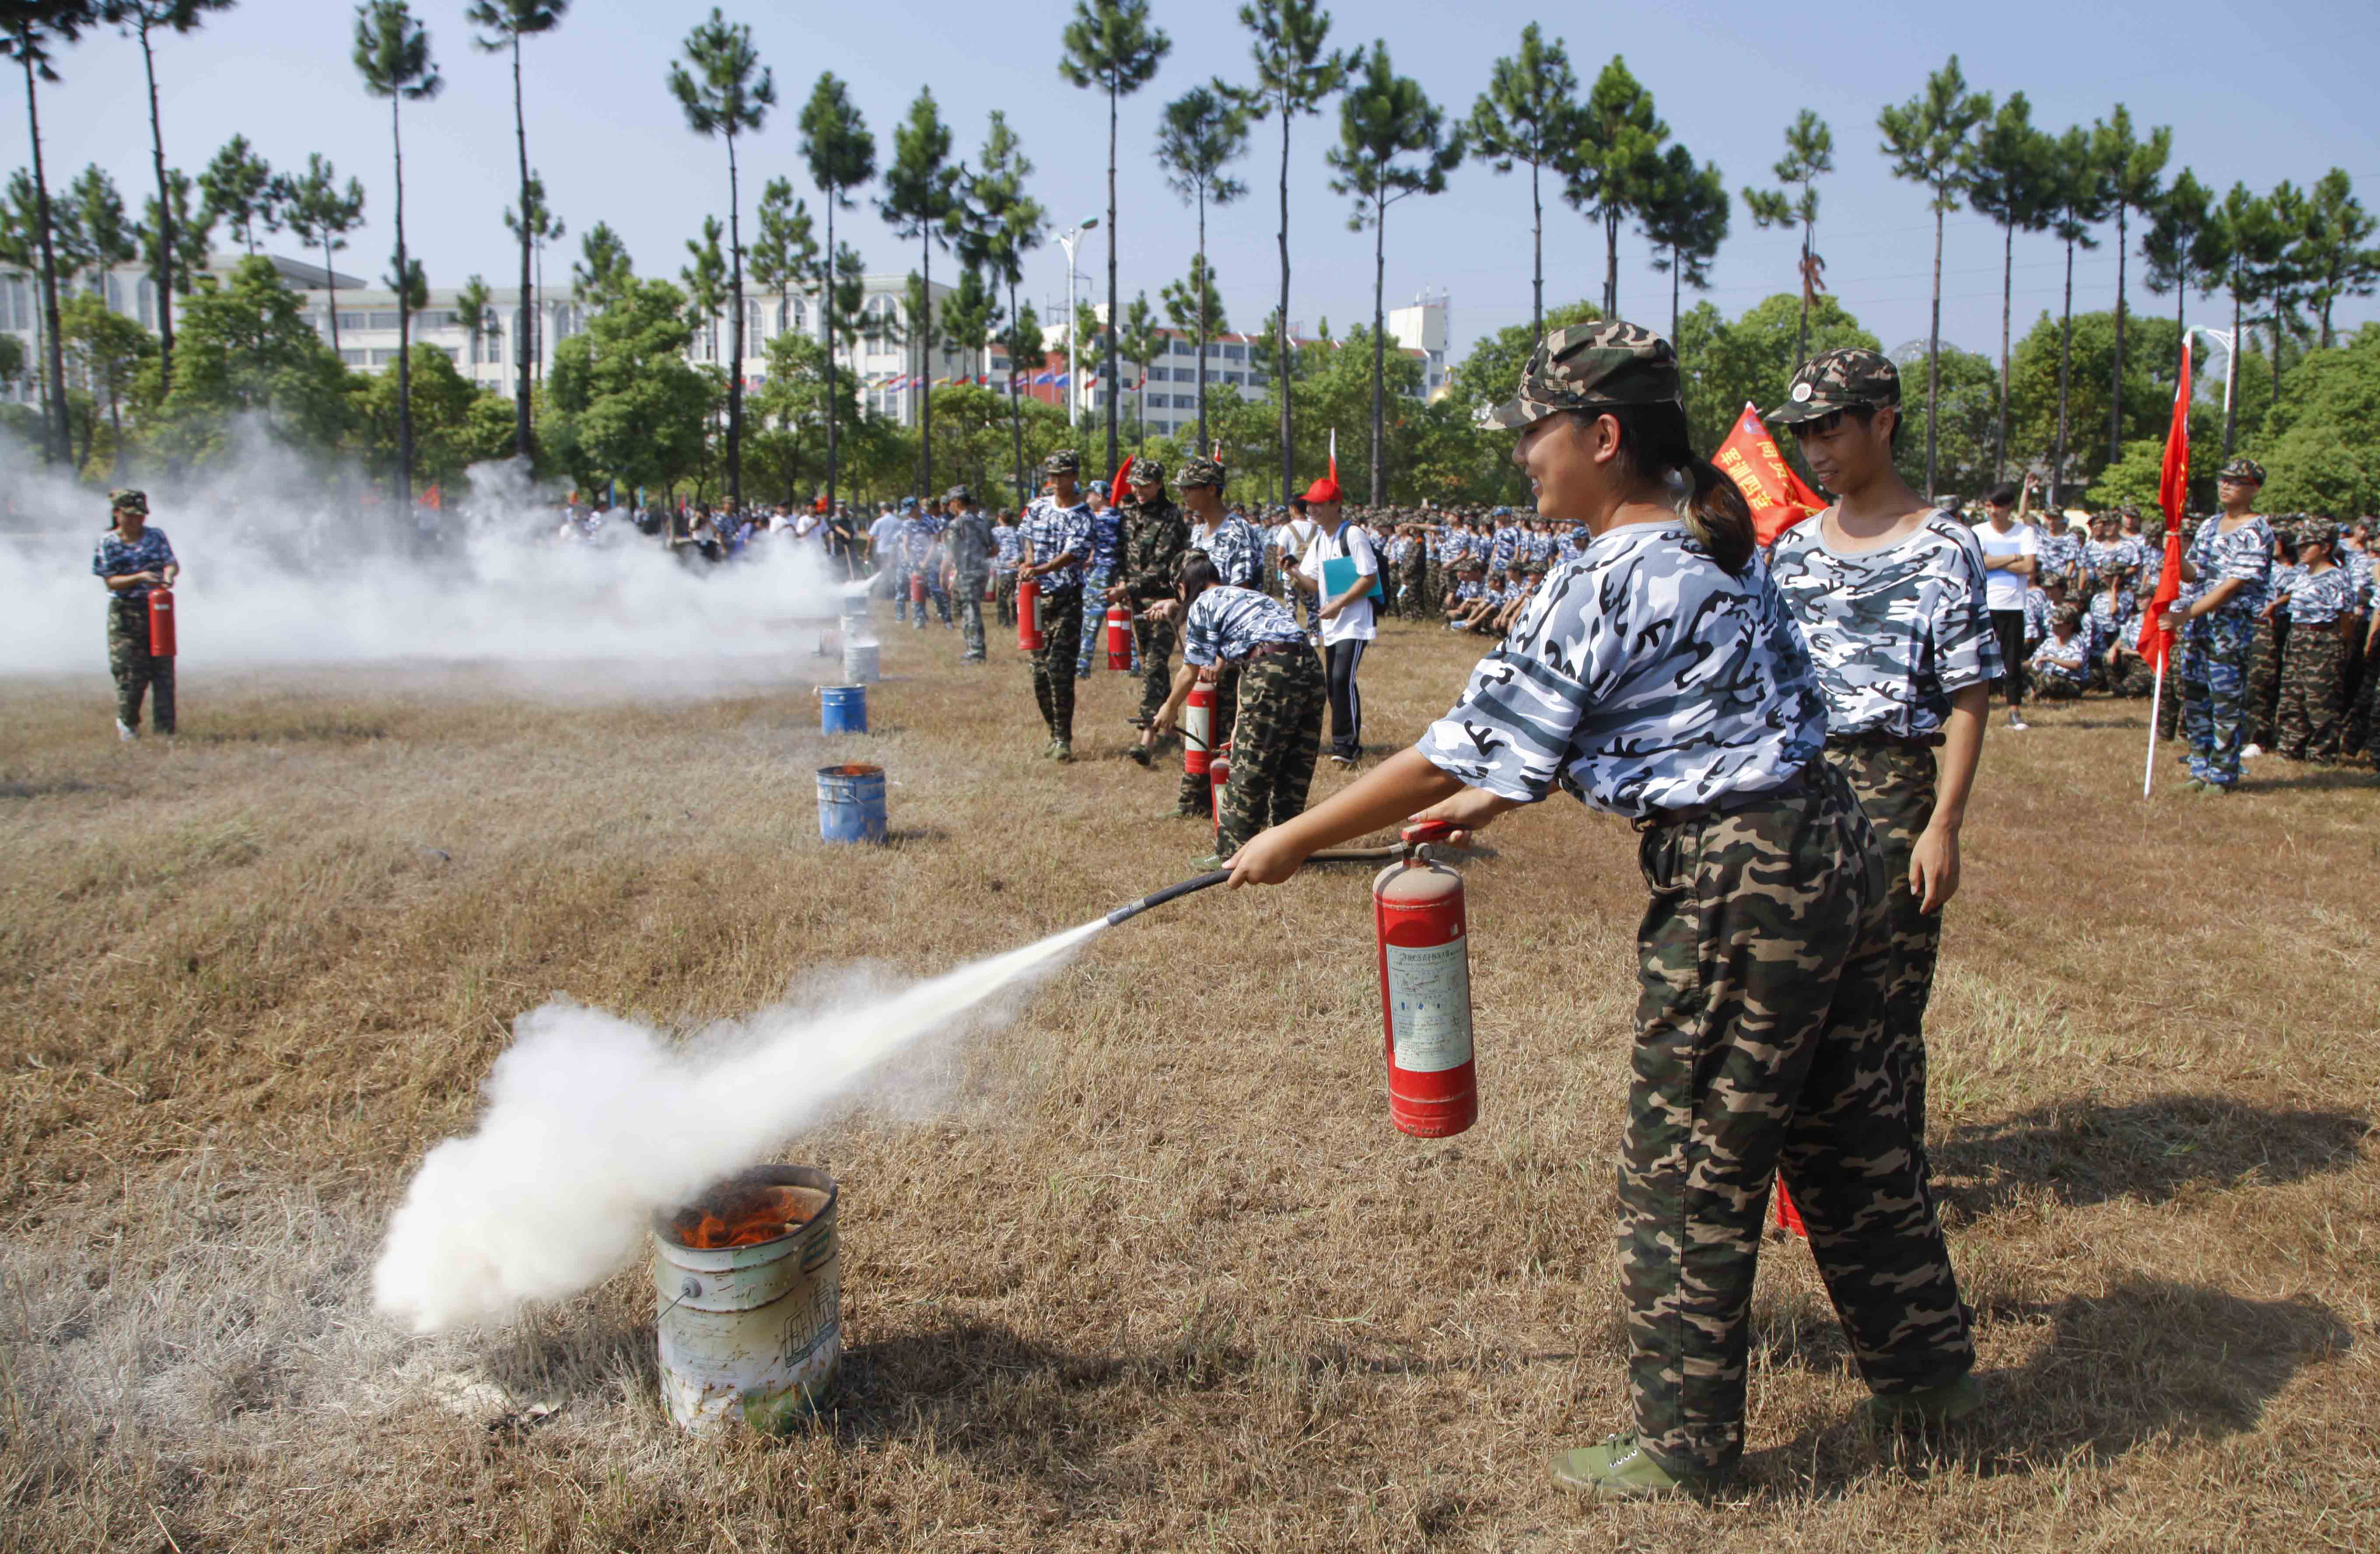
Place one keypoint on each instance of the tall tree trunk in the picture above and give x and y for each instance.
(330, 281)
(926, 376)
(55, 446)
(2231, 371)
(2115, 385)
(1537, 258)
(1114, 323)
(2065, 364)
(827, 314)
(1611, 262)
(1281, 320)
(1801, 340)
(735, 333)
(2007, 295)
(1380, 350)
(1016, 401)
(1201, 301)
(162, 276)
(1673, 298)
(1934, 357)
(404, 327)
(520, 346)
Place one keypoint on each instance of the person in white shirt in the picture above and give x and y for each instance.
(1292, 539)
(2010, 544)
(1346, 616)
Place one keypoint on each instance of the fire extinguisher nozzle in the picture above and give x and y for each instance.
(1159, 898)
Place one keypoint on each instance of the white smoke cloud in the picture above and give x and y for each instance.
(276, 570)
(593, 1126)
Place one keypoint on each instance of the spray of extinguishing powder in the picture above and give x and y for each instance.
(593, 1124)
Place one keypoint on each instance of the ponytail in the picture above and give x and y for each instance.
(1717, 516)
(1654, 440)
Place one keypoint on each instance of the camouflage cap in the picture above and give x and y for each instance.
(2066, 614)
(1588, 366)
(2246, 469)
(1065, 461)
(128, 500)
(959, 494)
(1199, 470)
(1147, 472)
(2314, 530)
(1849, 379)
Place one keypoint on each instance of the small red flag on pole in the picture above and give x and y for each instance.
(2173, 493)
(1776, 494)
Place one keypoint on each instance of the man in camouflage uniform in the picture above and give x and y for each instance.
(2313, 675)
(2225, 575)
(1057, 545)
(1155, 540)
(133, 558)
(969, 544)
(2262, 704)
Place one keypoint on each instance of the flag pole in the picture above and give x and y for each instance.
(2157, 702)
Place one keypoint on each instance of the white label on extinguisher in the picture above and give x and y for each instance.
(1429, 1006)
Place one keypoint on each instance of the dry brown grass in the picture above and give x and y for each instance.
(1147, 1269)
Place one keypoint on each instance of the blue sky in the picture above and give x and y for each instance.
(2254, 92)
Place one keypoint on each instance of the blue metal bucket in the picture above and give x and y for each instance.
(851, 803)
(843, 708)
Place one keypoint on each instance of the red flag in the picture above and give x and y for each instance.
(1776, 494)
(1116, 485)
(2173, 492)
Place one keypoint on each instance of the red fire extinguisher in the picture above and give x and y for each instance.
(160, 623)
(1426, 990)
(917, 589)
(1119, 636)
(1029, 613)
(1218, 777)
(1197, 727)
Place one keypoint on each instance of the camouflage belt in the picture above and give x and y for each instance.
(1279, 650)
(1728, 804)
(1877, 738)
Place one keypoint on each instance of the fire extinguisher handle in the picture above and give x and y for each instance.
(1420, 831)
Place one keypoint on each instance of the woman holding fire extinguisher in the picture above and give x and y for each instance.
(1658, 676)
(134, 560)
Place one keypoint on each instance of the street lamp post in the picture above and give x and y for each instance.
(2224, 338)
(1074, 387)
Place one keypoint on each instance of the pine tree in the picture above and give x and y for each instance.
(2183, 245)
(727, 92)
(502, 24)
(2077, 200)
(142, 21)
(1809, 156)
(1685, 220)
(1111, 47)
(603, 272)
(471, 303)
(1194, 306)
(841, 157)
(393, 55)
(1528, 113)
(921, 202)
(1202, 133)
(535, 225)
(1392, 144)
(1615, 161)
(785, 252)
(2252, 240)
(2010, 180)
(241, 192)
(1004, 224)
(1139, 341)
(2135, 168)
(1931, 141)
(1295, 74)
(319, 213)
(30, 30)
(2332, 248)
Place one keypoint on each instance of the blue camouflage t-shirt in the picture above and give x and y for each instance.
(1642, 677)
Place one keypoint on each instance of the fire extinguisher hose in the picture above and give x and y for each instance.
(1159, 898)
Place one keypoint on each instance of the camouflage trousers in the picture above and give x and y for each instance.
(902, 604)
(1433, 586)
(1155, 641)
(2214, 693)
(1053, 664)
(1004, 597)
(2131, 677)
(2356, 674)
(1196, 799)
(1275, 740)
(2313, 693)
(2168, 712)
(1094, 643)
(137, 670)
(1764, 1048)
(969, 599)
(2262, 700)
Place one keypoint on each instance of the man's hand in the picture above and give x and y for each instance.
(1114, 595)
(1470, 809)
(1163, 610)
(1329, 612)
(1933, 870)
(1267, 859)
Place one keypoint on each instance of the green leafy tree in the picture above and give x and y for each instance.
(603, 272)
(2083, 350)
(791, 408)
(1297, 71)
(536, 224)
(1930, 141)
(2009, 179)
(635, 410)
(786, 251)
(502, 25)
(2278, 280)
(1684, 218)
(971, 316)
(1001, 225)
(706, 286)
(241, 192)
(1110, 47)
(1393, 144)
(249, 353)
(2332, 248)
(1749, 359)
(2135, 179)
(1615, 161)
(472, 303)
(2078, 196)
(393, 55)
(104, 349)
(1968, 418)
(104, 236)
(440, 412)
(842, 156)
(727, 92)
(2317, 443)
(1202, 133)
(2252, 242)
(1140, 342)
(1194, 306)
(2183, 245)
(921, 203)
(1809, 156)
(29, 31)
(321, 215)
(1525, 116)
(142, 21)
(1480, 464)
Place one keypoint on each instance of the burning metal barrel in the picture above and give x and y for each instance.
(750, 1284)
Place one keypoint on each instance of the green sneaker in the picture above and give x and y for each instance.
(1891, 1412)
(1060, 751)
(1137, 754)
(1619, 1469)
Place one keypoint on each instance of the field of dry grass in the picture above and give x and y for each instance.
(1147, 1268)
